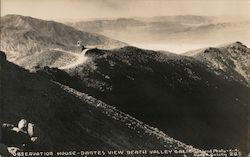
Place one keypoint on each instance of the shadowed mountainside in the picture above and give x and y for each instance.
(180, 95)
(73, 120)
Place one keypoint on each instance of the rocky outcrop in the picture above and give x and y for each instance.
(231, 60)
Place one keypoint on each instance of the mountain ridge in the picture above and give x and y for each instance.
(22, 36)
(231, 58)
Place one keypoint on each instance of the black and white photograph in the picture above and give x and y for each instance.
(125, 78)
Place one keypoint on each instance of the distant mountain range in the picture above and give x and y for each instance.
(23, 36)
(170, 31)
(128, 23)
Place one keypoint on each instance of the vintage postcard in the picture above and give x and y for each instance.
(125, 78)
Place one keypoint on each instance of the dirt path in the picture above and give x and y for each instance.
(81, 58)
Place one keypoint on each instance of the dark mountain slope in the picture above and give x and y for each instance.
(178, 94)
(71, 120)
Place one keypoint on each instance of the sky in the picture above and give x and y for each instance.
(87, 9)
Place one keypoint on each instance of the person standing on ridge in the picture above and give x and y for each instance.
(79, 44)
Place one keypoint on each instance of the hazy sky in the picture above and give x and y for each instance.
(80, 9)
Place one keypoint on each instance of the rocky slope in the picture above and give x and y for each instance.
(23, 36)
(180, 95)
(232, 59)
(52, 58)
(73, 120)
